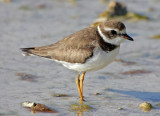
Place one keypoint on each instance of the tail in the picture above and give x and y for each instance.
(27, 51)
(38, 51)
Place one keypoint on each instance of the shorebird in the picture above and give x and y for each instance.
(89, 49)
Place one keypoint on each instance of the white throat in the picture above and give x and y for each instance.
(115, 41)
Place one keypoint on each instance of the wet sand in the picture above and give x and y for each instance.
(123, 84)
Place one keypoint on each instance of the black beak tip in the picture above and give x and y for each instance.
(131, 39)
(128, 37)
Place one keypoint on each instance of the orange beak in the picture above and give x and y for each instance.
(125, 36)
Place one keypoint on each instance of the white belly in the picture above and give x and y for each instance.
(99, 60)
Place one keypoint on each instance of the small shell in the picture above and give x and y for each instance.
(120, 108)
(28, 104)
(96, 93)
(36, 107)
(146, 107)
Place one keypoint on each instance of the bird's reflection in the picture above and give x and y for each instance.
(79, 113)
(80, 108)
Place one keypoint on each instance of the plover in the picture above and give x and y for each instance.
(89, 49)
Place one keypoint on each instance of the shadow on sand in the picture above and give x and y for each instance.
(145, 96)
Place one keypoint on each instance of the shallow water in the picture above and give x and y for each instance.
(24, 24)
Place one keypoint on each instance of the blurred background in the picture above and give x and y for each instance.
(117, 89)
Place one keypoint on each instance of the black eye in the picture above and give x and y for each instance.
(113, 32)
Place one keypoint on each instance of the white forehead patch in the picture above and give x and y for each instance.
(109, 29)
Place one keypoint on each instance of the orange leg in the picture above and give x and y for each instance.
(81, 84)
(78, 86)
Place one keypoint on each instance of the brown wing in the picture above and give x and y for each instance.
(75, 48)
